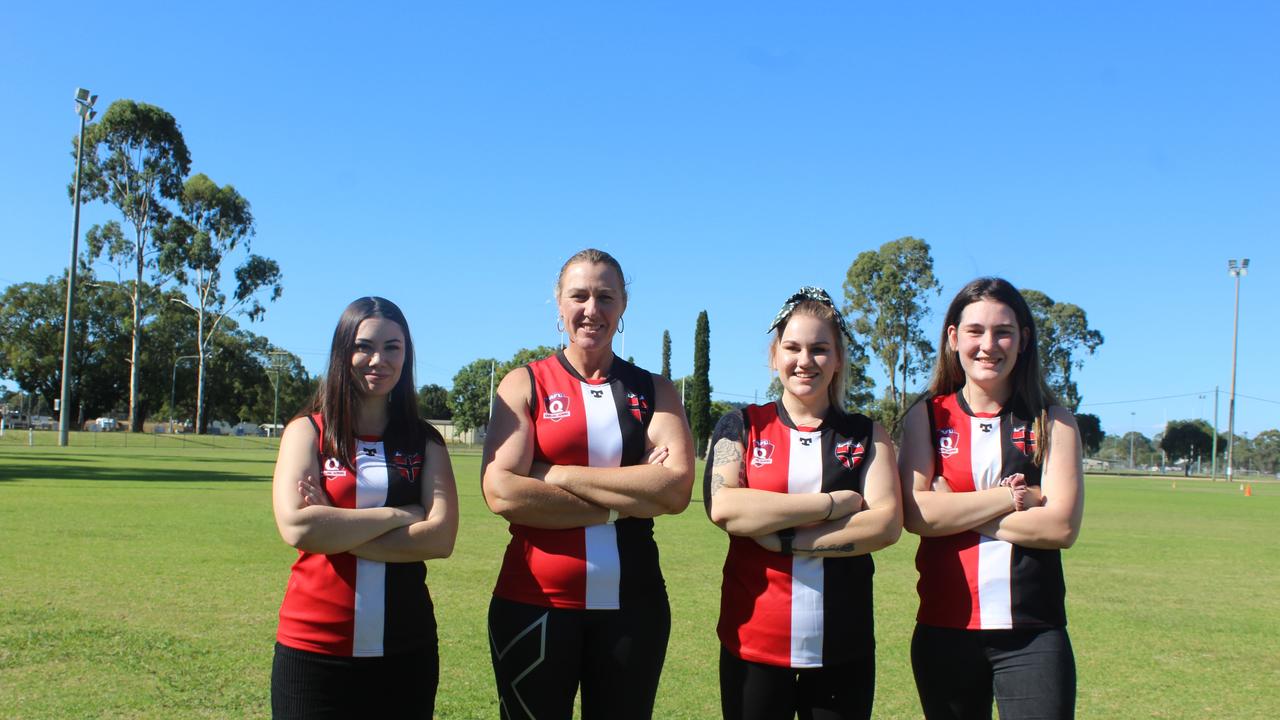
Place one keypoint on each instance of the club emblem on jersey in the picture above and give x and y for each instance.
(637, 405)
(948, 442)
(408, 465)
(332, 468)
(1024, 438)
(597, 393)
(806, 441)
(557, 405)
(986, 427)
(761, 453)
(850, 454)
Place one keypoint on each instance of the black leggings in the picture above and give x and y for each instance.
(755, 691)
(541, 655)
(317, 686)
(1031, 673)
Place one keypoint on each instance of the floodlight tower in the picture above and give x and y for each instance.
(84, 108)
(1236, 271)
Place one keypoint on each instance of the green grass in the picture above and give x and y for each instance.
(144, 581)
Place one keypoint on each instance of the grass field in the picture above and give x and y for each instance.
(144, 582)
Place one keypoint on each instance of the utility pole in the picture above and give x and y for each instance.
(278, 360)
(84, 108)
(1213, 446)
(1236, 272)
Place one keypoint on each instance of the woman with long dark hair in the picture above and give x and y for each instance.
(364, 490)
(584, 449)
(806, 491)
(992, 482)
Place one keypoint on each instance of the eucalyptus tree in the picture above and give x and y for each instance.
(198, 248)
(1064, 337)
(135, 160)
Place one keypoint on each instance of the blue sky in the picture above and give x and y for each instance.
(450, 156)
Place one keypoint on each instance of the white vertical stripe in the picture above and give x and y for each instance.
(604, 570)
(984, 452)
(986, 458)
(371, 576)
(604, 449)
(994, 598)
(604, 436)
(804, 475)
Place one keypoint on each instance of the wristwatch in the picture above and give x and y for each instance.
(786, 535)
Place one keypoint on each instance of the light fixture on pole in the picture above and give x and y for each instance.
(1236, 271)
(279, 358)
(84, 108)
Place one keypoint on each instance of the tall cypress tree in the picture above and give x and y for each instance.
(699, 395)
(666, 354)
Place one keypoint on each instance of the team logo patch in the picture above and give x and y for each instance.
(1024, 438)
(761, 453)
(637, 405)
(806, 441)
(333, 468)
(948, 442)
(597, 393)
(408, 465)
(557, 405)
(850, 454)
(986, 427)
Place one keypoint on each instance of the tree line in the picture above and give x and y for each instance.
(886, 301)
(183, 269)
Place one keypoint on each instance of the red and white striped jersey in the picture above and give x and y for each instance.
(597, 424)
(794, 611)
(968, 580)
(344, 605)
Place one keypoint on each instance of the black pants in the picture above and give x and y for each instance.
(313, 685)
(1031, 673)
(756, 691)
(541, 655)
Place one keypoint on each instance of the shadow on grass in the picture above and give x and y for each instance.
(20, 468)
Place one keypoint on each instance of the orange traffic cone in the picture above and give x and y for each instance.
(1248, 491)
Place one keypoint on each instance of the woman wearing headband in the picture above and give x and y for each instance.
(805, 490)
(993, 485)
(584, 450)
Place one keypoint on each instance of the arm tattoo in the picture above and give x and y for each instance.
(845, 548)
(717, 482)
(726, 451)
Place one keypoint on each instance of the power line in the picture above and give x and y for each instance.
(1150, 399)
(1250, 397)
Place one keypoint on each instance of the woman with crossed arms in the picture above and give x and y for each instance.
(805, 490)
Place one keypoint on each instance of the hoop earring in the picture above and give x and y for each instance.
(559, 324)
(621, 324)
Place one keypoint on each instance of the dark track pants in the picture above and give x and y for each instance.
(1030, 673)
(541, 655)
(755, 691)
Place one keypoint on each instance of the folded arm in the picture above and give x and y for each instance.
(1055, 522)
(928, 513)
(322, 528)
(660, 487)
(749, 512)
(506, 481)
(432, 537)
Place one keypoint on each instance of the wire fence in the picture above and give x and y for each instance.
(18, 438)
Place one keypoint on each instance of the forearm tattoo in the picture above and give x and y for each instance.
(845, 548)
(717, 482)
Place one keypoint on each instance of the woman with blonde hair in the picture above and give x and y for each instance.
(805, 491)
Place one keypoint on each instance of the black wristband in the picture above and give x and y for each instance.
(786, 535)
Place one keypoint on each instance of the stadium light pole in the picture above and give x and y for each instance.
(278, 359)
(1236, 271)
(84, 108)
(173, 386)
(1132, 415)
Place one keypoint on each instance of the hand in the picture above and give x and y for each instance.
(845, 503)
(770, 542)
(657, 456)
(313, 493)
(1017, 484)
